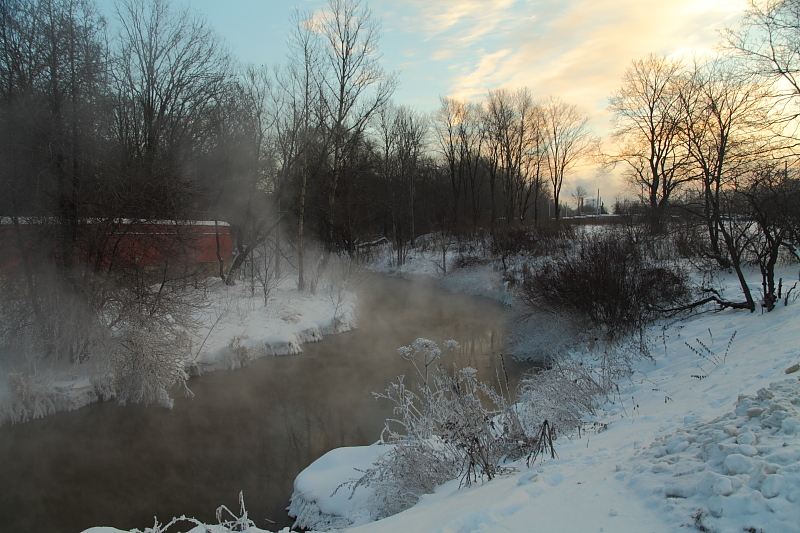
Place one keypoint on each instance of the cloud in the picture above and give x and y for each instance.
(443, 53)
(472, 19)
(575, 49)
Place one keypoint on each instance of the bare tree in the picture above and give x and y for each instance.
(252, 192)
(726, 126)
(769, 39)
(579, 194)
(389, 173)
(513, 130)
(457, 126)
(401, 133)
(772, 197)
(648, 126)
(170, 70)
(300, 118)
(88, 285)
(567, 141)
(53, 118)
(410, 131)
(354, 85)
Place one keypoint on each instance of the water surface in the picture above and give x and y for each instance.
(252, 429)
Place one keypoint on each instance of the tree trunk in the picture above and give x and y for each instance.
(301, 283)
(219, 253)
(260, 235)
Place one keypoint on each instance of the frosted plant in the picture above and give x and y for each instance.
(342, 275)
(441, 431)
(32, 398)
(422, 353)
(147, 362)
(239, 354)
(225, 525)
(560, 395)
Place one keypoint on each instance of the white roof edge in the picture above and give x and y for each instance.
(37, 220)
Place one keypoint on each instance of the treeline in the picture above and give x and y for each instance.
(714, 144)
(156, 121)
(159, 121)
(148, 122)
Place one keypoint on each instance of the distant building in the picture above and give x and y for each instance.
(116, 242)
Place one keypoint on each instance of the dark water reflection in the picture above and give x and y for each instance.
(252, 429)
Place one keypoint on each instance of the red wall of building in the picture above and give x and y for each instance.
(123, 244)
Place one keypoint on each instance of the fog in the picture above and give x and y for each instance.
(251, 429)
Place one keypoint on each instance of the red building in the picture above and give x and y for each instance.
(117, 242)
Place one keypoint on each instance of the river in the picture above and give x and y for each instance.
(251, 430)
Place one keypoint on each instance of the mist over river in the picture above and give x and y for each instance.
(252, 429)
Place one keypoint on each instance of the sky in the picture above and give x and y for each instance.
(577, 50)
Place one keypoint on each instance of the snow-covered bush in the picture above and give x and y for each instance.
(545, 336)
(148, 359)
(32, 399)
(239, 354)
(484, 437)
(342, 275)
(442, 431)
(55, 322)
(609, 281)
(315, 263)
(560, 395)
(228, 522)
(125, 325)
(546, 239)
(264, 270)
(412, 468)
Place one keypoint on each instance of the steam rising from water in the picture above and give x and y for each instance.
(252, 429)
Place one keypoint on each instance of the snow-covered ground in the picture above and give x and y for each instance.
(703, 436)
(240, 325)
(478, 279)
(236, 327)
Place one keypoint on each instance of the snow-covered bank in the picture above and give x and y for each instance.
(697, 438)
(476, 277)
(319, 501)
(240, 328)
(235, 328)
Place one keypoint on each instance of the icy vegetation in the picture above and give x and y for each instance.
(693, 436)
(234, 327)
(653, 422)
(665, 331)
(689, 421)
(442, 431)
(698, 431)
(227, 522)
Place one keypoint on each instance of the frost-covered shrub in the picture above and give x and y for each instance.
(469, 260)
(451, 426)
(147, 361)
(412, 468)
(544, 337)
(560, 395)
(514, 240)
(32, 399)
(239, 354)
(228, 522)
(343, 274)
(483, 437)
(264, 270)
(58, 323)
